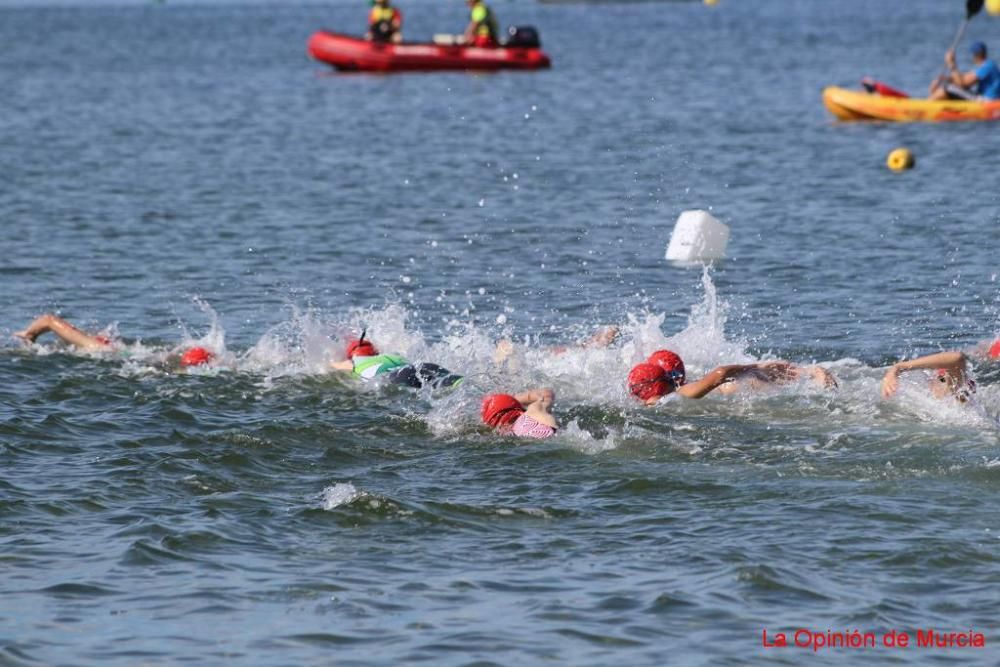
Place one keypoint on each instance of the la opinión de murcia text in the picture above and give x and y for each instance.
(855, 639)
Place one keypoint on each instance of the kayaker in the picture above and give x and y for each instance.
(983, 82)
(949, 375)
(662, 376)
(482, 30)
(192, 356)
(385, 23)
(524, 415)
(365, 362)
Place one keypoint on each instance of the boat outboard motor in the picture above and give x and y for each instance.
(523, 36)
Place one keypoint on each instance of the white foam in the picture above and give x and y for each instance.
(341, 493)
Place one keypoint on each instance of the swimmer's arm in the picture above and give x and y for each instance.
(77, 338)
(713, 380)
(784, 372)
(953, 361)
(542, 395)
(756, 375)
(63, 329)
(822, 377)
(504, 348)
(538, 405)
(346, 365)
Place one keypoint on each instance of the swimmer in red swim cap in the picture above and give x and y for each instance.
(524, 415)
(364, 361)
(65, 331)
(195, 356)
(662, 375)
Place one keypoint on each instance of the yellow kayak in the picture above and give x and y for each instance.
(854, 105)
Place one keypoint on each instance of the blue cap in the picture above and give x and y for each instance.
(978, 49)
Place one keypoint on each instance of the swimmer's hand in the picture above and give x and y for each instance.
(602, 338)
(775, 371)
(823, 377)
(504, 349)
(890, 381)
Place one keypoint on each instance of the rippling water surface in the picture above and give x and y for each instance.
(182, 172)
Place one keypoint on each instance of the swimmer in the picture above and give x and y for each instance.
(950, 376)
(601, 338)
(366, 362)
(662, 375)
(193, 356)
(524, 415)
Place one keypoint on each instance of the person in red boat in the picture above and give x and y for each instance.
(662, 376)
(482, 30)
(385, 23)
(525, 415)
(48, 323)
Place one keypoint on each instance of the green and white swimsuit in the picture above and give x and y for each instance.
(368, 368)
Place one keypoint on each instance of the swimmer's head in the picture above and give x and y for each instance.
(648, 382)
(944, 384)
(994, 352)
(941, 383)
(195, 356)
(669, 362)
(500, 410)
(359, 347)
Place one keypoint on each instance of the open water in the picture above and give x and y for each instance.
(182, 172)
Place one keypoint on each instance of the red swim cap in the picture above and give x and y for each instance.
(196, 356)
(995, 349)
(500, 410)
(669, 362)
(647, 381)
(360, 348)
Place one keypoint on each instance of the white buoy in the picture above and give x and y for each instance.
(697, 237)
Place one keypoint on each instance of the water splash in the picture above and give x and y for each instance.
(338, 495)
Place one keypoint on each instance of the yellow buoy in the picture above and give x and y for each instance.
(711, 3)
(993, 7)
(901, 159)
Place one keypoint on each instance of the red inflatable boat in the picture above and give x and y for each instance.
(353, 54)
